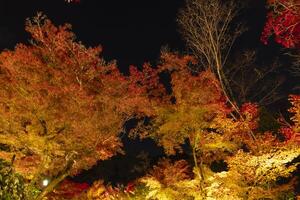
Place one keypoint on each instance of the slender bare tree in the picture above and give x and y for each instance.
(295, 69)
(296, 64)
(205, 25)
(210, 29)
(253, 81)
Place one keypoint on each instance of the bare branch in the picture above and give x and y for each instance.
(205, 27)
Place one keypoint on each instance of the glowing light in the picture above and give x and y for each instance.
(73, 1)
(45, 182)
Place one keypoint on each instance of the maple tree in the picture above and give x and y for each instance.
(283, 21)
(11, 184)
(199, 116)
(68, 189)
(62, 107)
(291, 132)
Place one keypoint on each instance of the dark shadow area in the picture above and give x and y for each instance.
(139, 157)
(219, 166)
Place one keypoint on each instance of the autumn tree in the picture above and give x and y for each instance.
(11, 184)
(197, 115)
(283, 22)
(62, 106)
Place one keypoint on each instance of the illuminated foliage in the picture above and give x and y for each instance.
(264, 170)
(198, 115)
(196, 112)
(11, 184)
(292, 132)
(167, 181)
(283, 21)
(249, 176)
(107, 192)
(169, 173)
(69, 190)
(61, 106)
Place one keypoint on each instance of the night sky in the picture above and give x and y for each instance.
(131, 31)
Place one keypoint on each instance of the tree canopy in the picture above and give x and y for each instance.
(61, 103)
(63, 107)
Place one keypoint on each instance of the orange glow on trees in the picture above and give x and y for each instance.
(61, 106)
(198, 115)
(291, 132)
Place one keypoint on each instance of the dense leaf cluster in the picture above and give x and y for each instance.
(283, 21)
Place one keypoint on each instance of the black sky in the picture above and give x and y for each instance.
(130, 31)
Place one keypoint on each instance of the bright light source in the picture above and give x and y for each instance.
(45, 182)
(73, 1)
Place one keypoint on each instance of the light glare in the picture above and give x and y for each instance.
(45, 182)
